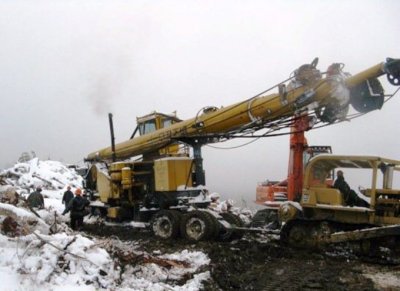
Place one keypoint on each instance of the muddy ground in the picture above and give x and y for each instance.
(260, 262)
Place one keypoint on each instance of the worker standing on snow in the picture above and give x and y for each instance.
(35, 199)
(77, 207)
(68, 195)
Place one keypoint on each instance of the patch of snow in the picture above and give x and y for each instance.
(137, 224)
(53, 204)
(199, 187)
(41, 266)
(28, 264)
(292, 203)
(20, 212)
(68, 260)
(46, 174)
(24, 217)
(196, 259)
(97, 203)
(385, 279)
(154, 277)
(199, 198)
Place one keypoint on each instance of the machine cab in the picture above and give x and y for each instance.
(155, 121)
(379, 169)
(273, 193)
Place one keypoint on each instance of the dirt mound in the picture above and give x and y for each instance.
(259, 264)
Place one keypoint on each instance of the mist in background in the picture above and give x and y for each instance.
(66, 64)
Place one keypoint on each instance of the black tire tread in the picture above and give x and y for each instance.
(175, 220)
(236, 221)
(209, 229)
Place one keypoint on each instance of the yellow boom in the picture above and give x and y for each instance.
(308, 90)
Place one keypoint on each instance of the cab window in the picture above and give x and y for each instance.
(167, 122)
(147, 127)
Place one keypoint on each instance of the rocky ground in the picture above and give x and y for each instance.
(262, 263)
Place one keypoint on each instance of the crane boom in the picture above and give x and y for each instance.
(328, 96)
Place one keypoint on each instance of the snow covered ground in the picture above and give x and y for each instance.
(66, 261)
(71, 261)
(38, 260)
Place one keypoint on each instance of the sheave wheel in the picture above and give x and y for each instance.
(197, 225)
(165, 224)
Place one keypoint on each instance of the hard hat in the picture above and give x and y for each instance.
(78, 192)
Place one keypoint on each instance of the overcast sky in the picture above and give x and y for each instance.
(65, 64)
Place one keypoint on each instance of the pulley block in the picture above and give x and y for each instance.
(367, 96)
(392, 69)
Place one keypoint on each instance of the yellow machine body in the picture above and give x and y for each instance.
(170, 173)
(113, 212)
(328, 203)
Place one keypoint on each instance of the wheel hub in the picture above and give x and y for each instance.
(162, 227)
(195, 228)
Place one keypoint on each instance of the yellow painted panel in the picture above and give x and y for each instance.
(329, 196)
(103, 186)
(113, 212)
(171, 173)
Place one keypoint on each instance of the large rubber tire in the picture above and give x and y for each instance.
(177, 214)
(215, 226)
(234, 220)
(197, 226)
(166, 224)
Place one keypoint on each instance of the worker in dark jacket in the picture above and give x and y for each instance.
(350, 196)
(35, 199)
(68, 195)
(77, 207)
